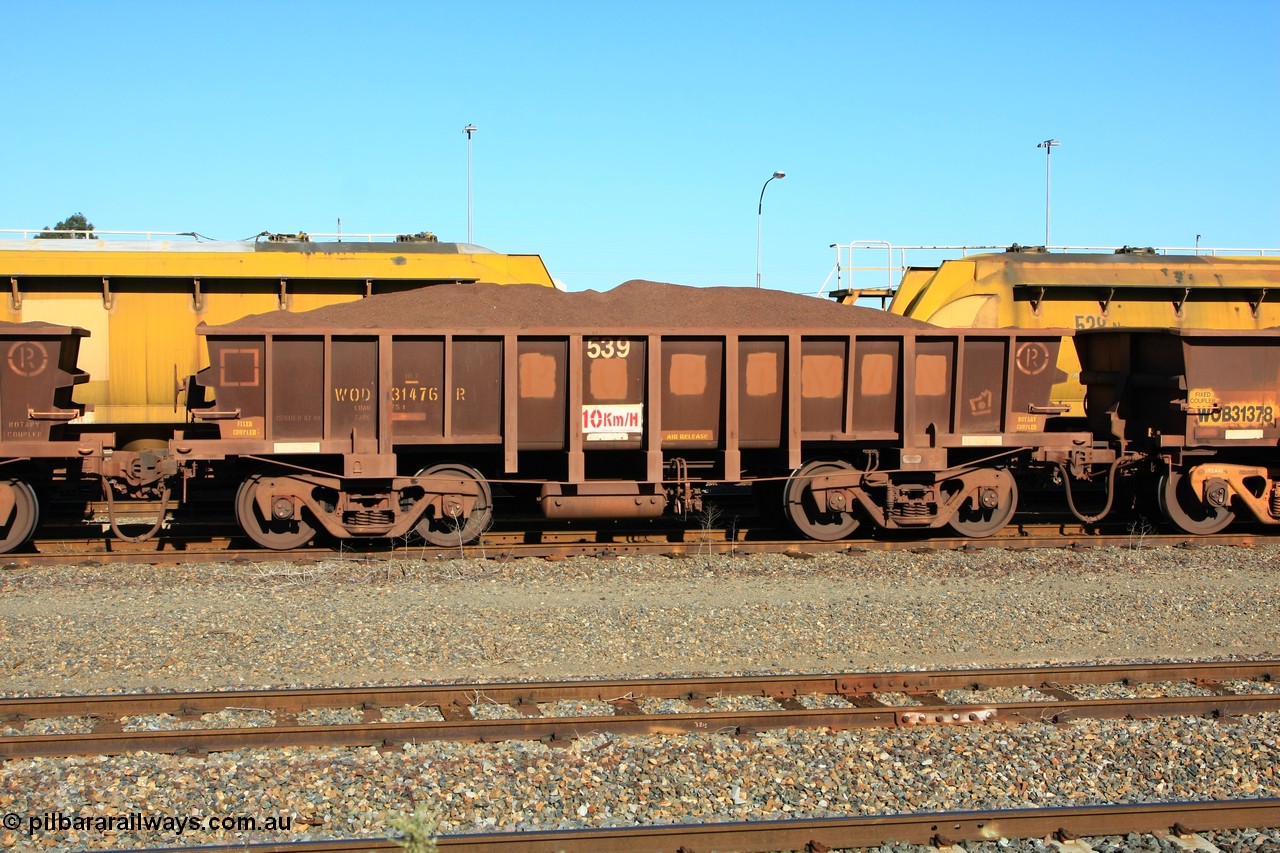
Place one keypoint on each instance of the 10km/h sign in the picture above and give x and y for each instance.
(616, 422)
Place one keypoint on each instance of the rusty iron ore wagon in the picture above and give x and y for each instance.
(1200, 407)
(364, 421)
(37, 373)
(405, 413)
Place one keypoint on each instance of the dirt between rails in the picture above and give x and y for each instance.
(632, 304)
(87, 629)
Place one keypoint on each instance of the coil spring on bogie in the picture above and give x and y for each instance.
(367, 518)
(1275, 500)
(913, 510)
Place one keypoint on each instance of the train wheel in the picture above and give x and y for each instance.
(1186, 510)
(22, 520)
(802, 510)
(268, 532)
(450, 530)
(991, 512)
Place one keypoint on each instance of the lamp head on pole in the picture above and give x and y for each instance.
(1049, 143)
(469, 129)
(775, 176)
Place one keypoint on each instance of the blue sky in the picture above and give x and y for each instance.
(630, 140)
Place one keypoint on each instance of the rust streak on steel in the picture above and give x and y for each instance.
(832, 833)
(109, 739)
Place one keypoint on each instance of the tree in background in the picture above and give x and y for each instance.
(74, 222)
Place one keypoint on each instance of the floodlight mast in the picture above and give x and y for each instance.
(468, 130)
(1048, 145)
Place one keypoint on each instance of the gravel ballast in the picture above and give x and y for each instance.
(395, 620)
(103, 629)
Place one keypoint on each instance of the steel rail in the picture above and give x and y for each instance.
(849, 684)
(170, 550)
(818, 834)
(454, 701)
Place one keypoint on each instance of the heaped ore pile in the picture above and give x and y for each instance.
(641, 305)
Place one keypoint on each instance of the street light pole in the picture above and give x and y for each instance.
(1048, 145)
(760, 220)
(468, 130)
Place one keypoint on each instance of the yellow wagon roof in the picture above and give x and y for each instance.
(210, 260)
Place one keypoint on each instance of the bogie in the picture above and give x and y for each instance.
(270, 517)
(1189, 510)
(462, 509)
(809, 508)
(986, 508)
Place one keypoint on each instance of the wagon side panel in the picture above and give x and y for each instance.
(475, 395)
(982, 385)
(541, 379)
(297, 388)
(931, 390)
(823, 387)
(613, 392)
(877, 387)
(354, 393)
(761, 392)
(692, 392)
(416, 395)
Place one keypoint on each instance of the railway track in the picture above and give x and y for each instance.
(82, 532)
(391, 716)
(56, 547)
(1184, 821)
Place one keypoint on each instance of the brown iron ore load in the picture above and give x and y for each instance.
(633, 304)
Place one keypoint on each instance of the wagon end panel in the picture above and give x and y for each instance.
(1153, 391)
(37, 375)
(1232, 387)
(231, 391)
(1036, 371)
(1105, 364)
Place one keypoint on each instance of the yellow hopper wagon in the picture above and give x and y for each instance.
(1030, 288)
(142, 296)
